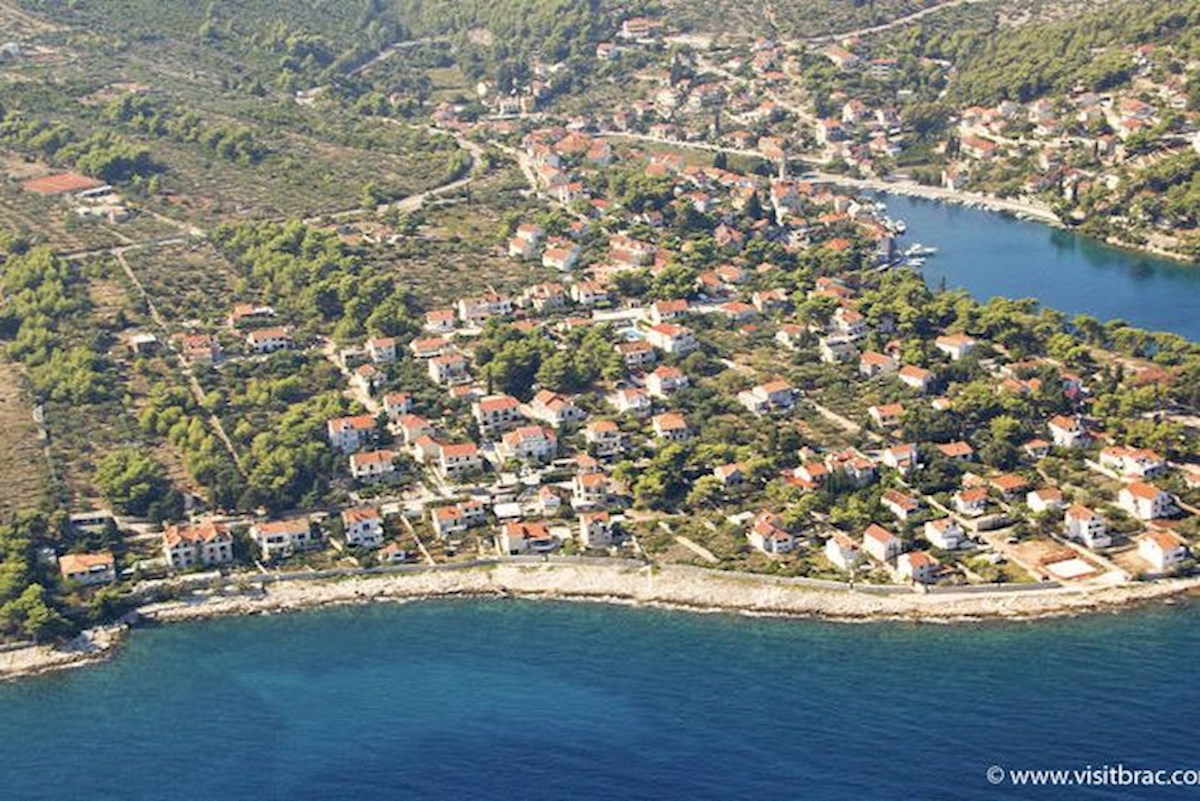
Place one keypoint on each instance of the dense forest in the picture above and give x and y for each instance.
(1025, 62)
(295, 44)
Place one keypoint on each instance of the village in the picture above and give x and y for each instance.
(839, 109)
(543, 470)
(727, 360)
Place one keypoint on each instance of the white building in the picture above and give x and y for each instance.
(768, 535)
(945, 534)
(269, 340)
(1067, 432)
(373, 465)
(88, 569)
(455, 461)
(278, 539)
(842, 551)
(1162, 549)
(1145, 501)
(675, 340)
(917, 566)
(363, 526)
(595, 529)
(519, 537)
(529, 444)
(956, 346)
(206, 543)
(881, 544)
(348, 434)
(1045, 499)
(1086, 526)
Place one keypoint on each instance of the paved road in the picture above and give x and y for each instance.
(414, 202)
(896, 23)
(391, 50)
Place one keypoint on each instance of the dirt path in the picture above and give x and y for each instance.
(197, 391)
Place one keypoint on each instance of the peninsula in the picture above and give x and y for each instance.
(388, 312)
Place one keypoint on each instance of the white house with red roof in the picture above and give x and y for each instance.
(945, 533)
(447, 521)
(87, 569)
(396, 404)
(902, 506)
(554, 409)
(886, 415)
(205, 543)
(904, 458)
(918, 378)
(1045, 499)
(881, 544)
(449, 369)
(842, 551)
(768, 534)
(971, 502)
(604, 437)
(382, 349)
(636, 355)
(956, 346)
(595, 529)
(1132, 462)
(873, 363)
(496, 413)
(278, 539)
(590, 490)
(529, 444)
(363, 527)
(478, 310)
(675, 340)
(269, 340)
(1087, 526)
(373, 465)
(1145, 501)
(1162, 550)
(348, 434)
(521, 537)
(441, 321)
(918, 566)
(1067, 432)
(457, 460)
(671, 427)
(665, 381)
(632, 400)
(428, 347)
(775, 395)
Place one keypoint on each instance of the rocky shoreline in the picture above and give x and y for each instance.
(669, 587)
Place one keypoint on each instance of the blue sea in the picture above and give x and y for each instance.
(992, 254)
(528, 700)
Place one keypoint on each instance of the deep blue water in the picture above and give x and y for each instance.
(990, 254)
(498, 700)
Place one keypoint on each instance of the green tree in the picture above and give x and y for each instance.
(131, 481)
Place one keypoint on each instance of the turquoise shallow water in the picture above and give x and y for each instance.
(497, 700)
(989, 254)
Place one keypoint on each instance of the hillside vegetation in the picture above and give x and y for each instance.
(1025, 62)
(300, 43)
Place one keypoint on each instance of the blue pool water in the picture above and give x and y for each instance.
(523, 700)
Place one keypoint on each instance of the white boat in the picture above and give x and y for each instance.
(899, 226)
